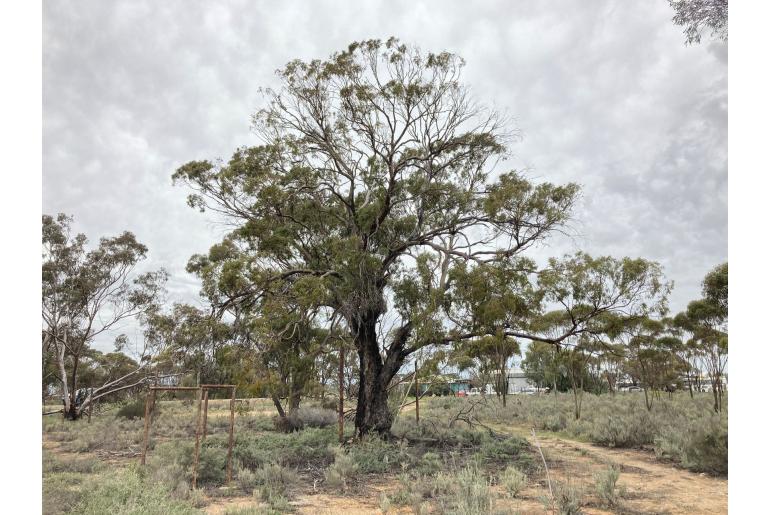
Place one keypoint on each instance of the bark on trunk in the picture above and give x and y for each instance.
(63, 373)
(295, 396)
(372, 412)
(74, 412)
(277, 403)
(647, 400)
(715, 391)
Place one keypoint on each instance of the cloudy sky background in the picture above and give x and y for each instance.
(604, 93)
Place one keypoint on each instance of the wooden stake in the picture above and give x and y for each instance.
(205, 413)
(340, 406)
(416, 394)
(196, 455)
(150, 400)
(230, 441)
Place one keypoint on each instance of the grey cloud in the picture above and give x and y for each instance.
(605, 94)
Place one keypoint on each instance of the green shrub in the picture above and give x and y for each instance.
(292, 450)
(288, 424)
(246, 479)
(53, 464)
(212, 465)
(242, 408)
(568, 498)
(252, 422)
(430, 463)
(374, 455)
(342, 470)
(61, 492)
(384, 503)
(622, 428)
(473, 496)
(316, 417)
(275, 482)
(513, 480)
(700, 446)
(107, 433)
(330, 403)
(503, 449)
(128, 491)
(606, 483)
(133, 410)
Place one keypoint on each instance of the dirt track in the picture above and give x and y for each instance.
(653, 487)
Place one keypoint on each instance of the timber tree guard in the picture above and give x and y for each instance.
(200, 422)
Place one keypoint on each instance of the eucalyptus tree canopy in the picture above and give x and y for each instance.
(653, 361)
(706, 321)
(372, 197)
(85, 294)
(698, 15)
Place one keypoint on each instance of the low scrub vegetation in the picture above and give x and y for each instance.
(607, 488)
(684, 430)
(471, 465)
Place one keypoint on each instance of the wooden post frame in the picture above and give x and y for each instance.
(341, 405)
(230, 440)
(200, 422)
(197, 451)
(149, 402)
(205, 413)
(416, 394)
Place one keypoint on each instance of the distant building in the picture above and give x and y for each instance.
(459, 385)
(518, 382)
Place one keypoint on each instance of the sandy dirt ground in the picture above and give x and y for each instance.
(652, 486)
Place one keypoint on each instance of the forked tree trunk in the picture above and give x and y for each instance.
(372, 412)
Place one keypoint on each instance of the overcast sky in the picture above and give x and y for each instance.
(604, 93)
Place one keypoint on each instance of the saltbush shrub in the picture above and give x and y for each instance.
(513, 480)
(568, 498)
(606, 484)
(129, 491)
(291, 450)
(374, 455)
(473, 496)
(699, 445)
(133, 410)
(316, 417)
(344, 468)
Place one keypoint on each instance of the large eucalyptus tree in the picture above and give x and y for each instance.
(372, 197)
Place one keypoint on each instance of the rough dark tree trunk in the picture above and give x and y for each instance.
(74, 412)
(295, 396)
(372, 412)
